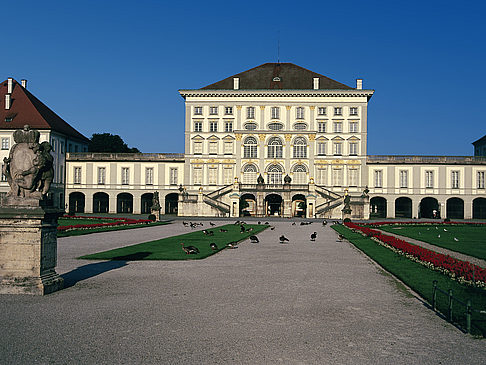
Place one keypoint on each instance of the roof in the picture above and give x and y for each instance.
(480, 140)
(27, 109)
(285, 76)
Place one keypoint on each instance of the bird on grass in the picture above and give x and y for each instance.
(313, 237)
(340, 238)
(283, 239)
(232, 244)
(223, 230)
(254, 239)
(455, 239)
(213, 246)
(242, 229)
(438, 236)
(189, 250)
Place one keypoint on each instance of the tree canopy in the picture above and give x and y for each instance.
(107, 142)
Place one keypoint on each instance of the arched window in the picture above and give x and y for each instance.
(275, 126)
(274, 174)
(275, 148)
(250, 174)
(250, 147)
(300, 126)
(250, 126)
(300, 147)
(300, 174)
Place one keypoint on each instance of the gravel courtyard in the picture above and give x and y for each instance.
(304, 302)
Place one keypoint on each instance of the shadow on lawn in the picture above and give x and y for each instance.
(90, 270)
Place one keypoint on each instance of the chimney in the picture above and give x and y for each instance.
(9, 85)
(23, 82)
(359, 84)
(7, 101)
(236, 83)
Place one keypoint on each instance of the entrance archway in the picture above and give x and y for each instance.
(479, 208)
(377, 207)
(455, 208)
(299, 205)
(274, 205)
(427, 207)
(248, 205)
(146, 203)
(124, 203)
(76, 202)
(403, 207)
(171, 203)
(100, 202)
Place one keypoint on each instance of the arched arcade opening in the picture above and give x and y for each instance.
(377, 207)
(429, 208)
(479, 208)
(171, 203)
(274, 205)
(299, 205)
(101, 202)
(76, 202)
(403, 207)
(146, 203)
(124, 203)
(248, 205)
(455, 208)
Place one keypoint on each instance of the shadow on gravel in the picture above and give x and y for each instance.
(90, 270)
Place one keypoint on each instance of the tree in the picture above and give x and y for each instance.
(107, 142)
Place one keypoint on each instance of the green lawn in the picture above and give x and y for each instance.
(170, 248)
(420, 278)
(72, 221)
(471, 239)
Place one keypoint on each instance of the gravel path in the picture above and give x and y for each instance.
(267, 303)
(445, 251)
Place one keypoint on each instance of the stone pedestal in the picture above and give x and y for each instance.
(28, 247)
(346, 213)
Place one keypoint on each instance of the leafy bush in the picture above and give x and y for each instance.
(152, 217)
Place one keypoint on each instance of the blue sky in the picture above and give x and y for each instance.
(117, 66)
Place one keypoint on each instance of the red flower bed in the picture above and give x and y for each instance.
(422, 223)
(457, 268)
(117, 222)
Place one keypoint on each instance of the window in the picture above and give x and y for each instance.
(300, 174)
(338, 127)
(212, 175)
(5, 143)
(429, 179)
(275, 174)
(198, 110)
(378, 178)
(321, 127)
(250, 148)
(149, 176)
(300, 126)
(250, 126)
(275, 148)
(299, 112)
(213, 126)
(213, 148)
(321, 148)
(300, 148)
(197, 126)
(213, 110)
(197, 148)
(337, 177)
(353, 127)
(125, 175)
(353, 177)
(228, 126)
(480, 178)
(227, 175)
(77, 175)
(353, 148)
(197, 175)
(338, 110)
(275, 126)
(250, 112)
(228, 110)
(353, 111)
(228, 148)
(249, 174)
(275, 112)
(321, 176)
(173, 180)
(403, 179)
(321, 110)
(101, 175)
(455, 179)
(338, 148)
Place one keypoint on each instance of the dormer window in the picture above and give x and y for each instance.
(276, 78)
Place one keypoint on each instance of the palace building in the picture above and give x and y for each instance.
(277, 140)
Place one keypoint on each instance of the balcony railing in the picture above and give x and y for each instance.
(275, 187)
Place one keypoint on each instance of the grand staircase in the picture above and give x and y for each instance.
(333, 200)
(212, 199)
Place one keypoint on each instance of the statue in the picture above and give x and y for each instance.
(155, 202)
(287, 179)
(29, 168)
(365, 192)
(260, 180)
